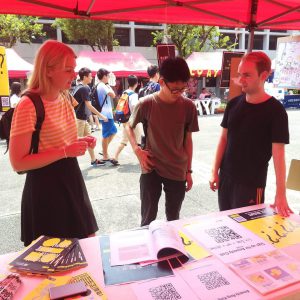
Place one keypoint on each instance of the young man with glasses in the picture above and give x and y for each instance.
(166, 160)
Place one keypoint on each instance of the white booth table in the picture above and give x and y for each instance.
(91, 249)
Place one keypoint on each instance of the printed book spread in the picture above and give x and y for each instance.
(49, 255)
(129, 273)
(268, 271)
(160, 240)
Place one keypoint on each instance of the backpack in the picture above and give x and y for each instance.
(95, 99)
(122, 113)
(6, 120)
(148, 89)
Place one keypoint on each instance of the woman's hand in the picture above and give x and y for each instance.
(75, 149)
(90, 140)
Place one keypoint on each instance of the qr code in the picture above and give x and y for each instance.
(213, 280)
(222, 234)
(164, 292)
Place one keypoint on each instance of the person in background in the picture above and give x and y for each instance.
(55, 201)
(204, 94)
(84, 110)
(133, 101)
(152, 86)
(166, 160)
(15, 93)
(255, 128)
(105, 96)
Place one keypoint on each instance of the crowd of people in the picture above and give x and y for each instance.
(160, 130)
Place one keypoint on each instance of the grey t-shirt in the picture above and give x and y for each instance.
(167, 124)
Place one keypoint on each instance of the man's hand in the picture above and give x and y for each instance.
(189, 182)
(281, 206)
(144, 157)
(214, 182)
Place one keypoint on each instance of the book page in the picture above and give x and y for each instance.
(128, 247)
(166, 240)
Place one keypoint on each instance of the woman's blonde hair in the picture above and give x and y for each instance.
(50, 54)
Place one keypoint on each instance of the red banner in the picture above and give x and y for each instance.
(164, 51)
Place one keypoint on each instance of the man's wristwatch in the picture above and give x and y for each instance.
(189, 171)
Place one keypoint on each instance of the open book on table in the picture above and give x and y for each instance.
(160, 240)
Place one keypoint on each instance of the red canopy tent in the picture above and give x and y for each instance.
(251, 14)
(273, 14)
(17, 67)
(121, 64)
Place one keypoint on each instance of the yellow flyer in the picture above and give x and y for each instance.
(279, 231)
(41, 292)
(91, 284)
(195, 250)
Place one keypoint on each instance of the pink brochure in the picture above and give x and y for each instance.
(211, 279)
(227, 239)
(164, 288)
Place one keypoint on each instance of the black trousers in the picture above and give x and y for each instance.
(234, 195)
(150, 192)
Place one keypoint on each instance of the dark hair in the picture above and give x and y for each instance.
(152, 70)
(261, 60)
(175, 69)
(84, 72)
(15, 88)
(101, 73)
(132, 80)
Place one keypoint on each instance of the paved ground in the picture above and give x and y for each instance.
(114, 191)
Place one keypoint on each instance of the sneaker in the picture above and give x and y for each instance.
(114, 162)
(98, 162)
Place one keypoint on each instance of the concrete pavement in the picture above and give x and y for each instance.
(114, 191)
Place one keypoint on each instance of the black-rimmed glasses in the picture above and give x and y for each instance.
(176, 90)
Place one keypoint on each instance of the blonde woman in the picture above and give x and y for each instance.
(55, 200)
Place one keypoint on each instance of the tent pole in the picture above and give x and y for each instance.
(250, 40)
(252, 24)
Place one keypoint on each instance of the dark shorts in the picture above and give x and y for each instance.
(234, 195)
(108, 128)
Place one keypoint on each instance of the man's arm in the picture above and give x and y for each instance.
(95, 111)
(110, 91)
(214, 181)
(188, 148)
(143, 156)
(280, 204)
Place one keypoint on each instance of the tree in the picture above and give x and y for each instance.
(189, 38)
(14, 28)
(97, 34)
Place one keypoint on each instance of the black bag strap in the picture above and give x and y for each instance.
(104, 101)
(40, 117)
(76, 89)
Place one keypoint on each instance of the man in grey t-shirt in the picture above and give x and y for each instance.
(167, 158)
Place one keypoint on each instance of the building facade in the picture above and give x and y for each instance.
(137, 37)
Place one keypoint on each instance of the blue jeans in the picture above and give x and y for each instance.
(150, 192)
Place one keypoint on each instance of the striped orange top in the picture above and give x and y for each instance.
(59, 127)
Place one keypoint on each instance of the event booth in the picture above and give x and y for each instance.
(16, 65)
